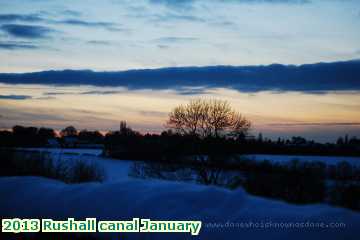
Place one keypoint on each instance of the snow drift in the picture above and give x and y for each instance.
(30, 197)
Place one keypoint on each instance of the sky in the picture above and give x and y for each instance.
(115, 35)
(124, 34)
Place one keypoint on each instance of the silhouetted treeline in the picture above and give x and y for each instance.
(129, 144)
(26, 136)
(21, 136)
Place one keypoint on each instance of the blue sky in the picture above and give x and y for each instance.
(124, 34)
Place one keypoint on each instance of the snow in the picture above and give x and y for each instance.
(29, 197)
(123, 197)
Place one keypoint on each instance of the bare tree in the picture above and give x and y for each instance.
(69, 131)
(208, 118)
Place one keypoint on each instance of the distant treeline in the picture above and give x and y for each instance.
(21, 136)
(129, 144)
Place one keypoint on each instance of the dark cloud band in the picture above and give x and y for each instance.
(312, 78)
(15, 97)
(26, 31)
(14, 45)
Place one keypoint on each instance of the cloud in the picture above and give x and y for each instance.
(45, 98)
(100, 92)
(223, 23)
(153, 113)
(175, 39)
(176, 17)
(71, 13)
(85, 23)
(310, 78)
(14, 45)
(192, 91)
(37, 17)
(271, 1)
(93, 92)
(99, 42)
(167, 17)
(20, 17)
(162, 46)
(188, 4)
(31, 114)
(59, 93)
(15, 97)
(183, 4)
(316, 124)
(77, 22)
(26, 31)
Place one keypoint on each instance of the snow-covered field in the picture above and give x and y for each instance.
(124, 197)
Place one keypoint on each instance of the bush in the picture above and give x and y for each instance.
(36, 163)
(346, 195)
(160, 170)
(23, 163)
(86, 172)
(291, 187)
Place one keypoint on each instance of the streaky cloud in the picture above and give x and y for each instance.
(175, 39)
(100, 92)
(45, 98)
(15, 97)
(20, 17)
(316, 124)
(176, 17)
(99, 42)
(78, 22)
(167, 17)
(26, 31)
(174, 4)
(153, 113)
(271, 1)
(59, 93)
(110, 26)
(73, 20)
(192, 91)
(163, 46)
(316, 78)
(72, 13)
(15, 45)
(188, 4)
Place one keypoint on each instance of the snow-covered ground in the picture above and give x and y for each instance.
(26, 197)
(124, 197)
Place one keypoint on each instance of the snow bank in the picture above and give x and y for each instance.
(29, 197)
